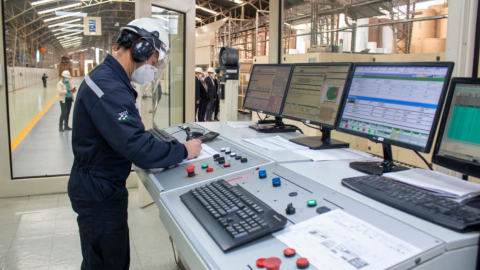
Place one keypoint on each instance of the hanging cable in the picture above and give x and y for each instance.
(424, 160)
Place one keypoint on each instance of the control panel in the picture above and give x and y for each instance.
(227, 159)
(298, 199)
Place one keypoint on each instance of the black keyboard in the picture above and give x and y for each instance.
(416, 201)
(231, 215)
(162, 135)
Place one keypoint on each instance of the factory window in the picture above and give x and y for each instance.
(317, 31)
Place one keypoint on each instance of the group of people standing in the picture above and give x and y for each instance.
(207, 103)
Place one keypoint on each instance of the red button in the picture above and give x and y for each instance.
(302, 263)
(226, 165)
(272, 263)
(260, 263)
(190, 168)
(210, 170)
(289, 252)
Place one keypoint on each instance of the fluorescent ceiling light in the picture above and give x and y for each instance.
(71, 42)
(238, 1)
(161, 17)
(59, 17)
(72, 30)
(198, 19)
(69, 35)
(76, 14)
(41, 2)
(71, 38)
(59, 8)
(63, 23)
(69, 26)
(206, 9)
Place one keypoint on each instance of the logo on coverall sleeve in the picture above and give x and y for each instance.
(123, 116)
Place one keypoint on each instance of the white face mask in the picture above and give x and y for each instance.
(144, 74)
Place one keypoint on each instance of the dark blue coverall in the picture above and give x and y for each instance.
(108, 136)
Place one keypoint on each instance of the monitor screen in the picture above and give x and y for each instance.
(396, 103)
(315, 93)
(459, 140)
(266, 89)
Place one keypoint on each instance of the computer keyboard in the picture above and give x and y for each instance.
(415, 201)
(162, 135)
(231, 215)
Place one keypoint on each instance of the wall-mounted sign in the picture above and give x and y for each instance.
(92, 26)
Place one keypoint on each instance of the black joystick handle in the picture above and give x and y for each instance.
(290, 209)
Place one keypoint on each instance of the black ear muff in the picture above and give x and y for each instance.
(141, 51)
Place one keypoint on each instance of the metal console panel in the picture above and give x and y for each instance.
(184, 228)
(176, 176)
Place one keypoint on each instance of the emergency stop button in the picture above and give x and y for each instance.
(190, 170)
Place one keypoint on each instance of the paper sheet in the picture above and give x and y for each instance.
(239, 124)
(334, 154)
(207, 152)
(337, 240)
(276, 144)
(437, 182)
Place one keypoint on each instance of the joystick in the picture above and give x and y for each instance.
(290, 209)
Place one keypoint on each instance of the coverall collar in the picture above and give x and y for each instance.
(115, 65)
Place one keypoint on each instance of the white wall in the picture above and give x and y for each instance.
(25, 77)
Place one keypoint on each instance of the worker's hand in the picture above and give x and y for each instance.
(198, 101)
(194, 146)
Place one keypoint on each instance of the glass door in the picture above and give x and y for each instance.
(168, 94)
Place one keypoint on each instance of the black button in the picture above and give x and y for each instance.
(244, 160)
(238, 157)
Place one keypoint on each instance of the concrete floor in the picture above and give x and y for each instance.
(41, 232)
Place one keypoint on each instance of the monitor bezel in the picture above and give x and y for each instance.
(284, 96)
(377, 139)
(308, 121)
(458, 165)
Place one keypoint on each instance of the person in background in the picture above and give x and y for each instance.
(65, 96)
(44, 79)
(216, 105)
(211, 92)
(204, 102)
(200, 96)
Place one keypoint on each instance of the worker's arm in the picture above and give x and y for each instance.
(119, 122)
(61, 89)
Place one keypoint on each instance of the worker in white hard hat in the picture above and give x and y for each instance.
(108, 136)
(200, 96)
(211, 93)
(65, 96)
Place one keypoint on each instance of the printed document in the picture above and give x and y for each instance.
(276, 144)
(334, 154)
(239, 124)
(337, 240)
(207, 152)
(438, 183)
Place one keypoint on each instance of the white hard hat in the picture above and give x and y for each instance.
(66, 74)
(198, 70)
(154, 27)
(210, 70)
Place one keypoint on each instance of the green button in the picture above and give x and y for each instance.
(204, 166)
(312, 203)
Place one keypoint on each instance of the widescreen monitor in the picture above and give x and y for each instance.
(395, 104)
(458, 141)
(314, 96)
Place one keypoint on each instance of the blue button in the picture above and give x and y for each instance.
(262, 174)
(276, 182)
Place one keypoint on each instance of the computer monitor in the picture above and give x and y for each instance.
(394, 104)
(458, 141)
(266, 92)
(314, 96)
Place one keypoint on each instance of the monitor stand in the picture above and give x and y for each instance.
(321, 142)
(273, 126)
(379, 168)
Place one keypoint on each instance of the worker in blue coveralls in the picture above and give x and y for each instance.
(108, 136)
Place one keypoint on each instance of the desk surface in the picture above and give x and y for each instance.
(238, 134)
